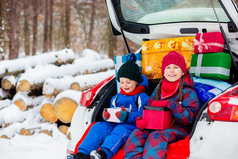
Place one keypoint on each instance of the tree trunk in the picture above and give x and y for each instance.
(2, 4)
(67, 23)
(46, 28)
(14, 22)
(51, 24)
(26, 28)
(34, 26)
(91, 29)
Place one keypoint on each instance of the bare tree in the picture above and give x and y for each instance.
(26, 27)
(14, 23)
(34, 26)
(2, 28)
(46, 28)
(51, 24)
(67, 23)
(91, 29)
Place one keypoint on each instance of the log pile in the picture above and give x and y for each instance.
(50, 88)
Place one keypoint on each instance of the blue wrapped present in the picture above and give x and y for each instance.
(206, 92)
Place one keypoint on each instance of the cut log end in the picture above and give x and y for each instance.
(75, 86)
(69, 136)
(5, 137)
(24, 86)
(46, 132)
(21, 104)
(25, 132)
(47, 112)
(63, 129)
(64, 109)
(6, 84)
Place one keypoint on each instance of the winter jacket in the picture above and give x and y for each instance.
(184, 113)
(133, 103)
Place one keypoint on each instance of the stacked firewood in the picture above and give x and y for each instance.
(54, 87)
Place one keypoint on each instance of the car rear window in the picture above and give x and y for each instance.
(171, 11)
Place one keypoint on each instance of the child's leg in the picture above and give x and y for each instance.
(96, 136)
(135, 144)
(156, 144)
(117, 139)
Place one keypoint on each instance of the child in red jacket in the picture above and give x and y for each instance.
(177, 94)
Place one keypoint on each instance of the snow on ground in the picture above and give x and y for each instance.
(39, 145)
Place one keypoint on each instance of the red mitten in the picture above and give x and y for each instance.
(123, 114)
(159, 103)
(106, 114)
(140, 123)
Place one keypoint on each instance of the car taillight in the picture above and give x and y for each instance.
(225, 106)
(88, 96)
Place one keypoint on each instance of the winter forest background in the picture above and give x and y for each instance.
(30, 26)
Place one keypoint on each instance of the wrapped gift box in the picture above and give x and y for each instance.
(211, 65)
(206, 92)
(158, 118)
(119, 60)
(153, 52)
(208, 42)
(112, 112)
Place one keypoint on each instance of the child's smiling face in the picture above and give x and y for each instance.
(127, 85)
(173, 72)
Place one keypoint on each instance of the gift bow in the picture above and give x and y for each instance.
(201, 44)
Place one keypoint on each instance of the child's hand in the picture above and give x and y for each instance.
(122, 115)
(105, 114)
(140, 123)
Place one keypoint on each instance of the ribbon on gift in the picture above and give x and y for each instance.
(202, 45)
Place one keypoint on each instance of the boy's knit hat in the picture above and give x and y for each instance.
(130, 70)
(176, 58)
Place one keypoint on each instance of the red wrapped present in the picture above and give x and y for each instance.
(208, 42)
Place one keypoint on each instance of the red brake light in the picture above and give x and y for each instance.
(88, 96)
(225, 106)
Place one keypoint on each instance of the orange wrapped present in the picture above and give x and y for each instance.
(153, 52)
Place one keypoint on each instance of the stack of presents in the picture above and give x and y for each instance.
(204, 57)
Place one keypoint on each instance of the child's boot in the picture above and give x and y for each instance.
(98, 154)
(81, 156)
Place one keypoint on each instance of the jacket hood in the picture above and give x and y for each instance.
(144, 82)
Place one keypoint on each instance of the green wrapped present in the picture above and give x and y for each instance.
(211, 65)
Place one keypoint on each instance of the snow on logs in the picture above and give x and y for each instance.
(54, 86)
(24, 112)
(17, 66)
(23, 101)
(33, 79)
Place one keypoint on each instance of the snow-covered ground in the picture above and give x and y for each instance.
(39, 145)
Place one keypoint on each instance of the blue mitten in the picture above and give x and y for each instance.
(122, 115)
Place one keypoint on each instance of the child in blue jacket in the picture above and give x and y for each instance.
(106, 138)
(177, 93)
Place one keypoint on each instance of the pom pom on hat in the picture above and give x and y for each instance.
(130, 70)
(176, 58)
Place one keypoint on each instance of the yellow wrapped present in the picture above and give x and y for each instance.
(153, 52)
